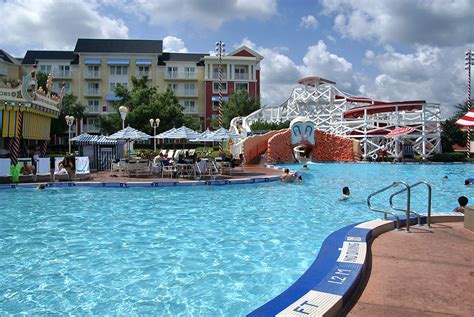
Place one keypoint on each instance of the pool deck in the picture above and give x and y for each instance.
(420, 273)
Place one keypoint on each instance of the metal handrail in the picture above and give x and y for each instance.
(428, 219)
(385, 212)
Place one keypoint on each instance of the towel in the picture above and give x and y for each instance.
(82, 165)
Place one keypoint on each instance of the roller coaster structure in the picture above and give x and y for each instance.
(360, 118)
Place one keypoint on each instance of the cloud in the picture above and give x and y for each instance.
(174, 44)
(309, 22)
(210, 14)
(51, 24)
(434, 22)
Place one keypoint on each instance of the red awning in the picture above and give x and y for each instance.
(399, 132)
(467, 120)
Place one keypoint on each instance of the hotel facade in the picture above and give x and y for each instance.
(96, 66)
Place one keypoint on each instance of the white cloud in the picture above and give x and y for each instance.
(51, 24)
(433, 22)
(174, 44)
(209, 14)
(309, 22)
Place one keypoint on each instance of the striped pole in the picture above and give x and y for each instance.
(15, 141)
(220, 48)
(43, 148)
(469, 60)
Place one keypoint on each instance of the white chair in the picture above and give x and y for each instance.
(82, 167)
(167, 170)
(163, 152)
(170, 154)
(201, 168)
(43, 169)
(4, 170)
(156, 166)
(59, 175)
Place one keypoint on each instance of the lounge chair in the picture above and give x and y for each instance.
(25, 178)
(5, 170)
(138, 168)
(170, 154)
(82, 167)
(57, 174)
(168, 170)
(43, 169)
(163, 152)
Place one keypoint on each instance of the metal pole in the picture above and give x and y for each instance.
(123, 123)
(69, 140)
(469, 60)
(154, 139)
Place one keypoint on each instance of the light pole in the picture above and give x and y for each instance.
(69, 122)
(123, 114)
(154, 124)
(468, 61)
(220, 50)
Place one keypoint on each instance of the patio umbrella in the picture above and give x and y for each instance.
(180, 133)
(129, 134)
(467, 120)
(223, 134)
(204, 137)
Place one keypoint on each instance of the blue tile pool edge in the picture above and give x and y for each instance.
(218, 182)
(331, 281)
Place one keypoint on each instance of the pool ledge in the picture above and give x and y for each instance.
(332, 279)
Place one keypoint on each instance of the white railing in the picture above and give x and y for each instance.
(62, 74)
(92, 92)
(180, 75)
(92, 75)
(185, 92)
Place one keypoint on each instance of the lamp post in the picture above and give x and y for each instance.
(123, 114)
(69, 122)
(154, 124)
(220, 50)
(468, 61)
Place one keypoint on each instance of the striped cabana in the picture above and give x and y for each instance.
(100, 149)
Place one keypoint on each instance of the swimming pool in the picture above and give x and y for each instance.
(208, 250)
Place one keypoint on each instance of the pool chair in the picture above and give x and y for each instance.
(26, 178)
(43, 169)
(156, 165)
(170, 154)
(167, 170)
(59, 176)
(82, 167)
(5, 170)
(177, 154)
(163, 152)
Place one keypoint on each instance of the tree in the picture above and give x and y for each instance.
(145, 103)
(41, 79)
(263, 125)
(69, 106)
(451, 132)
(239, 104)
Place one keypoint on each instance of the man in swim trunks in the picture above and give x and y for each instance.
(287, 177)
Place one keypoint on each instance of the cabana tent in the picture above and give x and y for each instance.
(100, 149)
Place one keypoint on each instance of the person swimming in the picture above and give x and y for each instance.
(346, 194)
(287, 177)
(305, 167)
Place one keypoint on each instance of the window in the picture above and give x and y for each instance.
(93, 123)
(119, 70)
(93, 105)
(172, 72)
(114, 85)
(215, 88)
(189, 106)
(241, 72)
(92, 71)
(189, 72)
(242, 86)
(45, 69)
(189, 89)
(173, 87)
(63, 71)
(93, 89)
(215, 70)
(57, 88)
(143, 70)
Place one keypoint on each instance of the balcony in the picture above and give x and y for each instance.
(92, 93)
(241, 76)
(62, 74)
(92, 75)
(180, 92)
(216, 76)
(143, 74)
(181, 75)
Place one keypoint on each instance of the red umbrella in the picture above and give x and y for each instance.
(467, 120)
(399, 132)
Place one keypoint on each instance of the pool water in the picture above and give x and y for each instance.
(186, 251)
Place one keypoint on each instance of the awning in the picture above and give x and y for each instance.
(36, 126)
(118, 61)
(143, 62)
(467, 120)
(112, 97)
(397, 132)
(86, 138)
(92, 61)
(9, 121)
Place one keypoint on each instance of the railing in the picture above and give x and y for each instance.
(239, 76)
(61, 74)
(428, 216)
(185, 92)
(181, 75)
(385, 212)
(93, 93)
(92, 75)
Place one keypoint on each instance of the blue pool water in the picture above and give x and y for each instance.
(182, 251)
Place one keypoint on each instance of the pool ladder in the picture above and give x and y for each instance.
(407, 188)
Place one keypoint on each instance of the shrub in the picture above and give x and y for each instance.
(449, 157)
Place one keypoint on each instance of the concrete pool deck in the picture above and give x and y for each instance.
(420, 273)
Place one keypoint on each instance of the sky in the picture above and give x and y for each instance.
(383, 49)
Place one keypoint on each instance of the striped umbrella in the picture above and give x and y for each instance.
(15, 141)
(467, 120)
(397, 132)
(180, 133)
